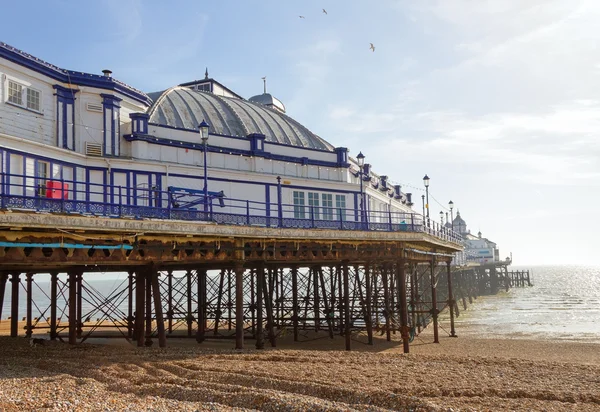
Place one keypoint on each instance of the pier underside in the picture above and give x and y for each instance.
(207, 281)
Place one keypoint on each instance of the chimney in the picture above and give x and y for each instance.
(106, 72)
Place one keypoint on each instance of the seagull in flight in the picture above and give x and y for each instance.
(372, 47)
(301, 17)
(324, 11)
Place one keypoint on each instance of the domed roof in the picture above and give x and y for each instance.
(185, 108)
(268, 100)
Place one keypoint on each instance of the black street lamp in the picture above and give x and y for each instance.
(426, 183)
(451, 204)
(360, 158)
(442, 218)
(204, 135)
(423, 202)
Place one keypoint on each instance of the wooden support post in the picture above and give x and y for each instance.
(239, 306)
(434, 309)
(190, 316)
(295, 301)
(367, 303)
(200, 334)
(79, 317)
(140, 295)
(160, 323)
(29, 304)
(53, 304)
(148, 340)
(170, 300)
(346, 305)
(386, 299)
(451, 301)
(260, 280)
(130, 305)
(402, 304)
(72, 307)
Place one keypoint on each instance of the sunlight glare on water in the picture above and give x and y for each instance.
(563, 304)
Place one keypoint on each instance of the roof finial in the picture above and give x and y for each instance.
(265, 84)
(206, 73)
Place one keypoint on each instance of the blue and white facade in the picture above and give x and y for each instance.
(93, 145)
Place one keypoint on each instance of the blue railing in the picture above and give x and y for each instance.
(70, 197)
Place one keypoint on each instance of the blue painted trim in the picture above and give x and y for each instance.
(219, 149)
(71, 77)
(65, 92)
(65, 245)
(356, 206)
(268, 200)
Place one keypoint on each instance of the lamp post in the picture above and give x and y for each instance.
(204, 135)
(360, 158)
(423, 202)
(451, 204)
(441, 218)
(426, 183)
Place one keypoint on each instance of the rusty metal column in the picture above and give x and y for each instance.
(130, 305)
(346, 305)
(29, 304)
(295, 301)
(451, 302)
(14, 305)
(160, 324)
(79, 281)
(386, 298)
(189, 317)
(368, 303)
(260, 279)
(3, 280)
(434, 309)
(239, 307)
(170, 300)
(53, 303)
(148, 273)
(202, 273)
(72, 307)
(403, 304)
(140, 285)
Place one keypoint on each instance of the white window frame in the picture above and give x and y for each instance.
(340, 204)
(24, 101)
(299, 205)
(313, 203)
(327, 202)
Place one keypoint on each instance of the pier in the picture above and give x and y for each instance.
(209, 280)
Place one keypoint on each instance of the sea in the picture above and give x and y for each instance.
(563, 304)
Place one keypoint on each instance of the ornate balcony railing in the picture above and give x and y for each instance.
(68, 197)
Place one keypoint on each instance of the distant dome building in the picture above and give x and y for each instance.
(459, 224)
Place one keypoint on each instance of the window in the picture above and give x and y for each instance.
(327, 206)
(42, 170)
(340, 204)
(313, 200)
(299, 205)
(15, 93)
(33, 99)
(203, 87)
(23, 96)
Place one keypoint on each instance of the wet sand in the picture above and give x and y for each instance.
(457, 374)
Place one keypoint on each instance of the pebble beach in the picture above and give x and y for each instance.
(458, 374)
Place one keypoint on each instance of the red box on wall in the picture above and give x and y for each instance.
(57, 190)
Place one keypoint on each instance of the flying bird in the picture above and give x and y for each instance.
(301, 17)
(324, 11)
(372, 47)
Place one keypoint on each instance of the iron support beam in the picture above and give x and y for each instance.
(53, 304)
(29, 304)
(295, 301)
(148, 278)
(260, 279)
(403, 306)
(160, 324)
(451, 302)
(434, 309)
(72, 307)
(200, 334)
(239, 307)
(140, 285)
(369, 316)
(346, 305)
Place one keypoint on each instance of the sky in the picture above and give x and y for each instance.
(497, 101)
